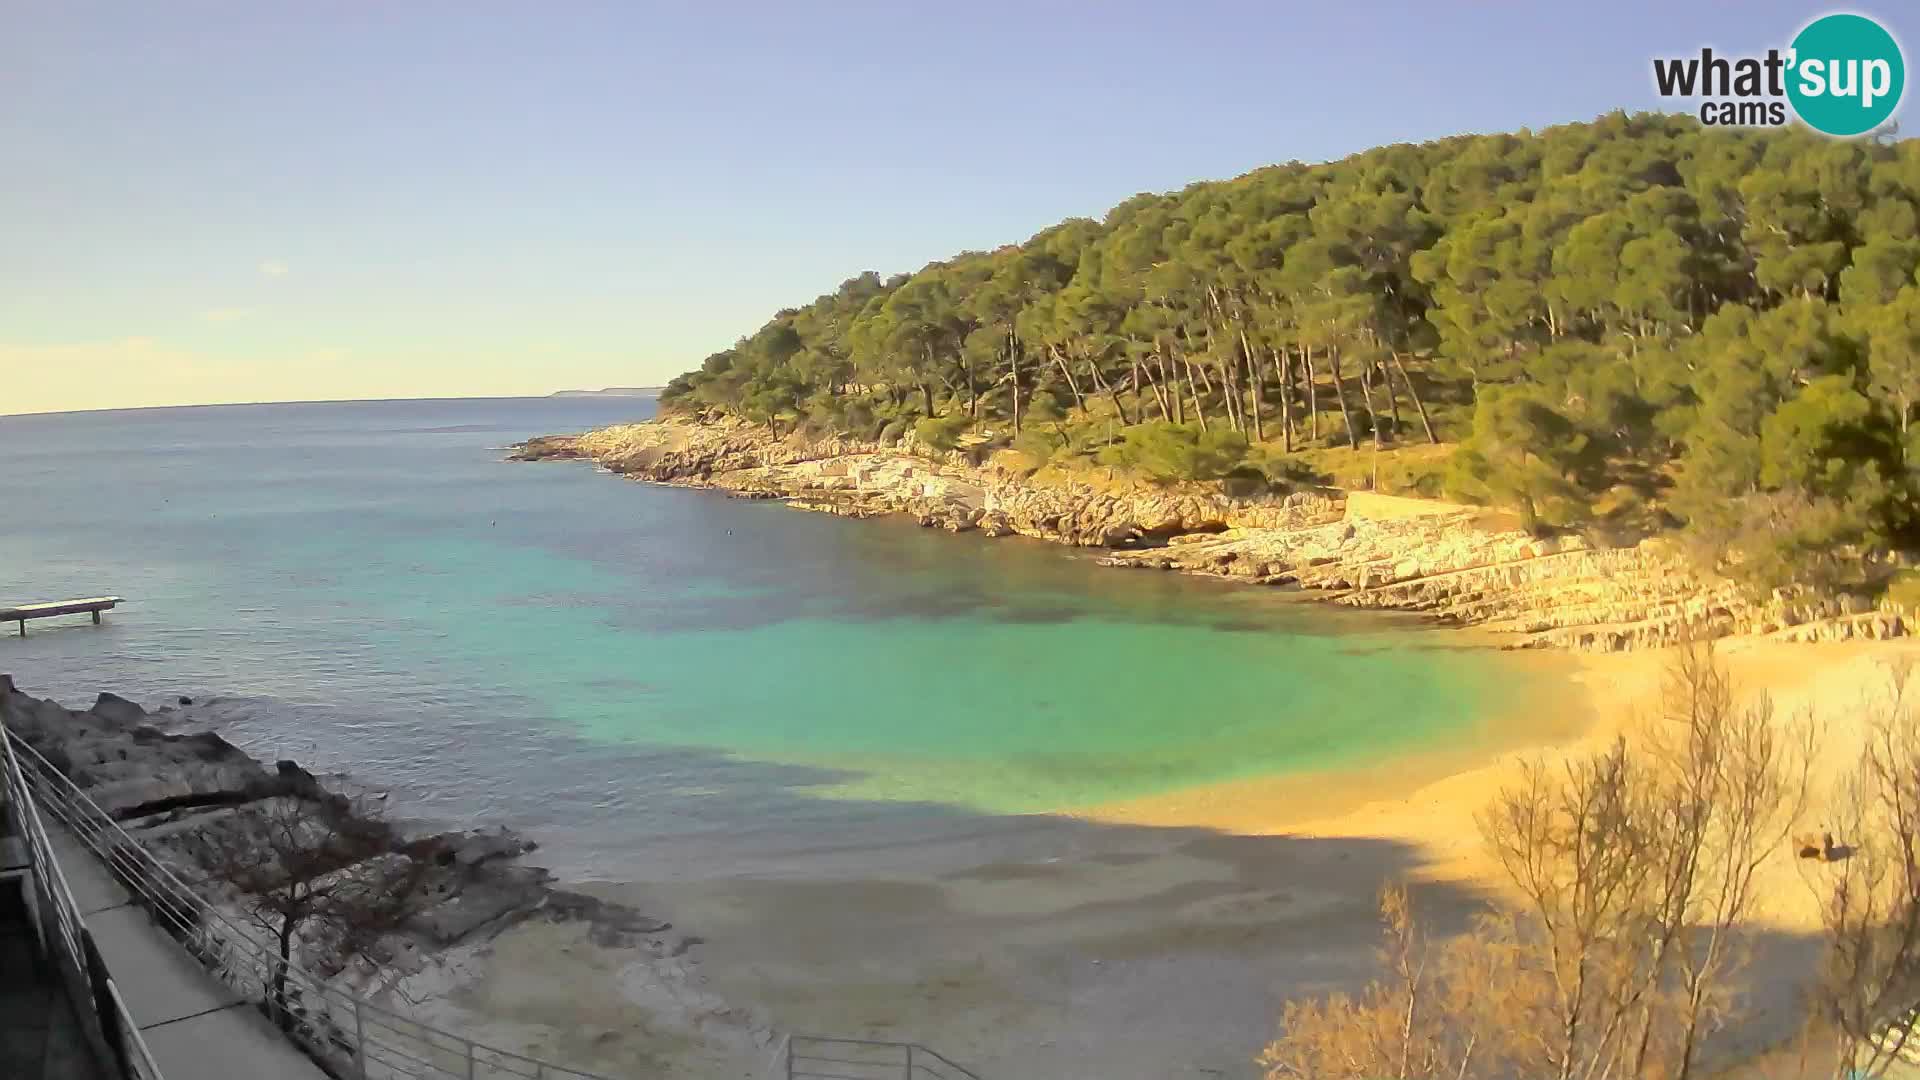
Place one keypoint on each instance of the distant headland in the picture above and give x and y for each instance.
(611, 391)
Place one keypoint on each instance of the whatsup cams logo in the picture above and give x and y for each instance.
(1843, 75)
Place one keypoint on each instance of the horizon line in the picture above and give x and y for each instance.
(561, 394)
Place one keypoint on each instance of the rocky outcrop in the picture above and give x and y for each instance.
(1086, 516)
(546, 448)
(173, 792)
(1457, 565)
(721, 453)
(1455, 569)
(862, 479)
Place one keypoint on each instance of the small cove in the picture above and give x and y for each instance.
(650, 677)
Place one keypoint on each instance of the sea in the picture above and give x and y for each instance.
(660, 682)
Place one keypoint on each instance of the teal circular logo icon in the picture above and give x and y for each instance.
(1847, 74)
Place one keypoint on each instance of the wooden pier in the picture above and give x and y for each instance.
(93, 605)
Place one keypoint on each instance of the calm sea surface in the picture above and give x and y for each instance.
(655, 681)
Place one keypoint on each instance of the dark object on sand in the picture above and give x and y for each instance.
(1821, 847)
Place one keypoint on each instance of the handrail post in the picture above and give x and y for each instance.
(469, 1059)
(104, 1008)
(359, 1040)
(789, 1057)
(909, 1061)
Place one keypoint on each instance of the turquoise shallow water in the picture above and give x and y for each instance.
(638, 673)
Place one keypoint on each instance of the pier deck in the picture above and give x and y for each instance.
(92, 604)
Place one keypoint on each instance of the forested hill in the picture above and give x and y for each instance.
(1636, 321)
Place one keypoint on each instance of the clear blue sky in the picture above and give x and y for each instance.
(292, 200)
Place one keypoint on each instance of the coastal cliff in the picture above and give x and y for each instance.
(1458, 565)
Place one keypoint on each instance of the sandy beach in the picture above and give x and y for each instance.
(1826, 685)
(1156, 938)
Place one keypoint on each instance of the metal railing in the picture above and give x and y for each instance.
(64, 936)
(818, 1057)
(350, 1035)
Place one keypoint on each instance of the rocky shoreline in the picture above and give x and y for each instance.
(1457, 565)
(180, 794)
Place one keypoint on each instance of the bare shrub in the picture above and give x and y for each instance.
(1633, 871)
(319, 867)
(1419, 1022)
(1870, 980)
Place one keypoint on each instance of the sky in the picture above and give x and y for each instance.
(217, 202)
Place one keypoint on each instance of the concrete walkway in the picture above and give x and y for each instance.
(196, 1026)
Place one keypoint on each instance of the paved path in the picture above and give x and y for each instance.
(196, 1026)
